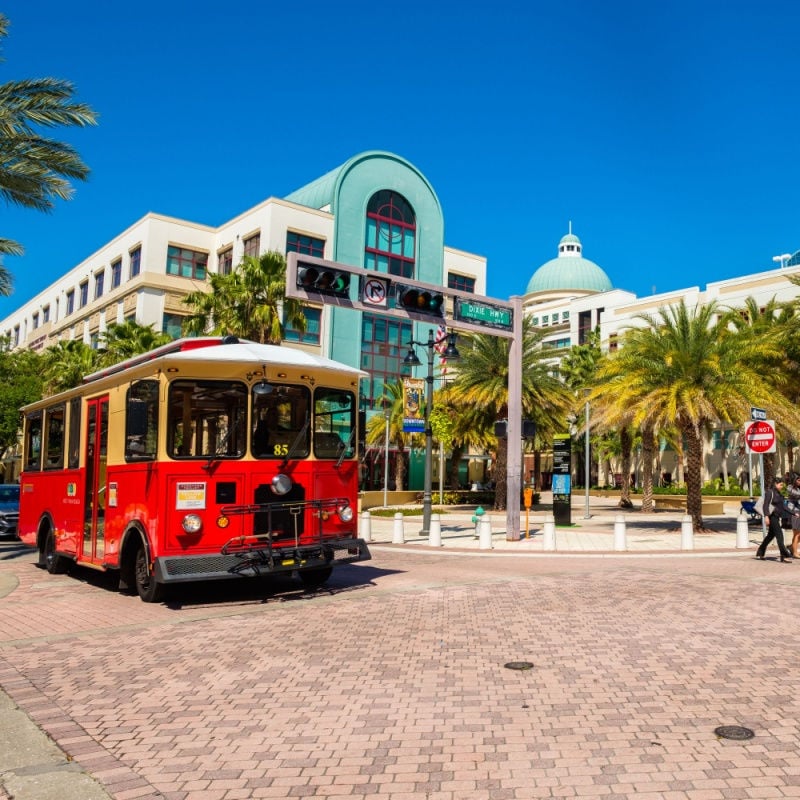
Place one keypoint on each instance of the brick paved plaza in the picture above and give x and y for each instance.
(392, 682)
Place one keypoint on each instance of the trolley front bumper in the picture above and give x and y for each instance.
(255, 560)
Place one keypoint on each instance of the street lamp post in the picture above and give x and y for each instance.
(588, 463)
(411, 360)
(781, 259)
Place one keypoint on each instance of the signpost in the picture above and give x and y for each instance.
(759, 437)
(562, 472)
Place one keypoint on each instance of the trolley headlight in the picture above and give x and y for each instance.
(281, 484)
(345, 513)
(192, 523)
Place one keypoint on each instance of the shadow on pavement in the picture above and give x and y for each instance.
(13, 548)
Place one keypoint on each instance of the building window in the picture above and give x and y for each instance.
(545, 319)
(172, 324)
(36, 320)
(613, 343)
(584, 326)
(116, 274)
(252, 245)
(16, 335)
(391, 233)
(535, 320)
(721, 440)
(382, 353)
(311, 335)
(136, 261)
(70, 301)
(46, 314)
(308, 245)
(225, 262)
(83, 288)
(460, 282)
(565, 316)
(186, 263)
(99, 280)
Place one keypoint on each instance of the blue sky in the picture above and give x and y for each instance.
(667, 132)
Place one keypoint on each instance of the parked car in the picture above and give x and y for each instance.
(9, 509)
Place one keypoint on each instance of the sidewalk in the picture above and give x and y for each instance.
(658, 532)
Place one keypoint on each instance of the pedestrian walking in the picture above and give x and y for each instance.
(794, 499)
(774, 511)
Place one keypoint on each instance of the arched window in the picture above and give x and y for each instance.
(390, 246)
(391, 234)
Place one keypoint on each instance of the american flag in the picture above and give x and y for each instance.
(441, 345)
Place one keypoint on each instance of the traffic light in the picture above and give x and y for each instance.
(420, 300)
(323, 281)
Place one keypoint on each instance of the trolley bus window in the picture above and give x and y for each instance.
(33, 441)
(334, 423)
(74, 444)
(279, 422)
(54, 440)
(206, 419)
(141, 421)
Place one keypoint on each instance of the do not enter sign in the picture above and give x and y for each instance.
(759, 436)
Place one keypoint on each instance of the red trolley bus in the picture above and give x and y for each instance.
(204, 459)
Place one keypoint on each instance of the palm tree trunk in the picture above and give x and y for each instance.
(625, 443)
(648, 457)
(694, 464)
(400, 469)
(455, 461)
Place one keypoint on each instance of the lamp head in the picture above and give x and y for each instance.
(411, 359)
(451, 351)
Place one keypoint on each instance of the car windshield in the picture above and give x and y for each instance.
(9, 494)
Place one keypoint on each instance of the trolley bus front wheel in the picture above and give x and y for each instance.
(49, 559)
(148, 589)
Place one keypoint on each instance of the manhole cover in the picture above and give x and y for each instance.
(734, 732)
(519, 665)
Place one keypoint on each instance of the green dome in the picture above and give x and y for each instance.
(570, 271)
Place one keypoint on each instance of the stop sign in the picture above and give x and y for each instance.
(759, 436)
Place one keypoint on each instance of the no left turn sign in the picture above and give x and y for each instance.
(759, 436)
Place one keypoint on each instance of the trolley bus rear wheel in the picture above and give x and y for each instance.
(53, 563)
(146, 586)
(314, 578)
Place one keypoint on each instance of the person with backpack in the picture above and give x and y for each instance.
(774, 511)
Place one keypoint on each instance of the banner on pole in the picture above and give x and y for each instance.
(413, 421)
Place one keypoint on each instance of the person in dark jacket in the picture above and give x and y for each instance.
(774, 511)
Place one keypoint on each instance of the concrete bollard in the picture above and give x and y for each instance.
(620, 535)
(397, 530)
(366, 526)
(687, 533)
(742, 532)
(435, 535)
(549, 532)
(485, 526)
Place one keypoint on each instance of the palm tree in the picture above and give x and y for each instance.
(482, 381)
(35, 170)
(468, 427)
(127, 339)
(393, 398)
(690, 368)
(247, 302)
(66, 363)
